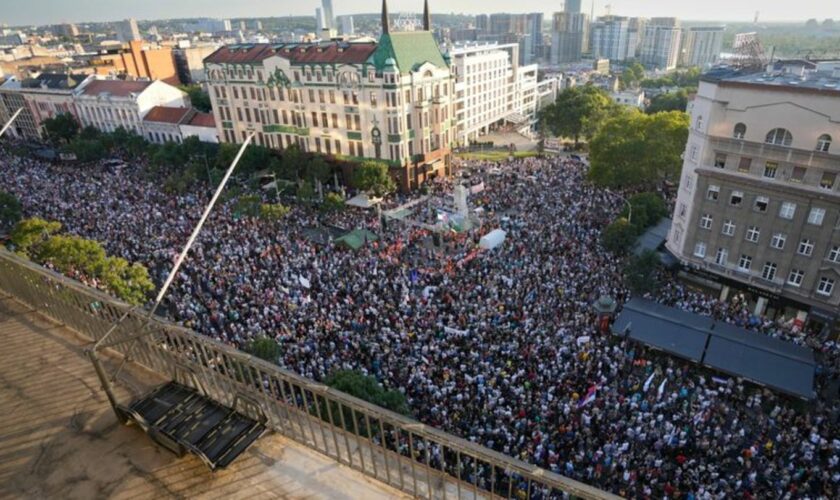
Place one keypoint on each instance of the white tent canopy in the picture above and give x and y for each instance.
(492, 239)
(362, 201)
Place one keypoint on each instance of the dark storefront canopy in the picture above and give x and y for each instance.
(775, 363)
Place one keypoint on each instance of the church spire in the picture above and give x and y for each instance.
(427, 18)
(385, 28)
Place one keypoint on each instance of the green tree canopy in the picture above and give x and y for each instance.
(368, 389)
(10, 211)
(292, 163)
(332, 202)
(318, 170)
(674, 101)
(373, 177)
(641, 272)
(619, 237)
(62, 127)
(637, 150)
(648, 209)
(632, 75)
(198, 97)
(577, 112)
(30, 233)
(273, 212)
(264, 348)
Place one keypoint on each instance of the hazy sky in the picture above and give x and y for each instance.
(15, 12)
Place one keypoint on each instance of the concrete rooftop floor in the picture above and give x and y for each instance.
(60, 439)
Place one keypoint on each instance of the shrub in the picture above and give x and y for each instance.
(619, 237)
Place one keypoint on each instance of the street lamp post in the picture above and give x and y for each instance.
(9, 123)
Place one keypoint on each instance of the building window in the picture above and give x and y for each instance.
(827, 180)
(824, 143)
(740, 131)
(798, 175)
(761, 203)
(826, 286)
(816, 216)
(698, 124)
(834, 254)
(806, 247)
(713, 192)
(720, 160)
(752, 234)
(373, 99)
(693, 153)
(787, 210)
(744, 165)
(736, 198)
(744, 263)
(700, 249)
(683, 210)
(769, 271)
(778, 241)
(728, 228)
(795, 277)
(706, 221)
(770, 169)
(778, 137)
(721, 256)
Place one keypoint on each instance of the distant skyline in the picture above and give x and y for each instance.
(39, 12)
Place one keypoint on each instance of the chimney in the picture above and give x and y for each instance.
(427, 18)
(385, 29)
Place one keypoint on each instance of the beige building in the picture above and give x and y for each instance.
(758, 208)
(390, 100)
(110, 104)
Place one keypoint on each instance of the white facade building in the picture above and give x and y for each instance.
(633, 98)
(660, 48)
(110, 104)
(491, 88)
(127, 31)
(610, 39)
(701, 46)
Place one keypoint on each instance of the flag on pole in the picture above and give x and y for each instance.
(648, 382)
(661, 389)
(590, 396)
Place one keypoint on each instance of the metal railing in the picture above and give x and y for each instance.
(399, 451)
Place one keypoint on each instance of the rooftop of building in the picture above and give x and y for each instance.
(60, 438)
(297, 53)
(201, 119)
(118, 88)
(811, 81)
(409, 50)
(166, 114)
(54, 81)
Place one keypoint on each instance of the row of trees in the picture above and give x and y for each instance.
(41, 241)
(628, 149)
(180, 165)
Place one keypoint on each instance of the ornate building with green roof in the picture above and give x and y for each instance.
(390, 100)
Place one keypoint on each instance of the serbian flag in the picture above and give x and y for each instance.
(590, 396)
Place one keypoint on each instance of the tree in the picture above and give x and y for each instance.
(247, 205)
(636, 150)
(10, 211)
(62, 127)
(264, 348)
(72, 253)
(273, 212)
(198, 97)
(291, 164)
(333, 202)
(318, 170)
(30, 233)
(641, 272)
(619, 237)
(129, 282)
(648, 209)
(368, 389)
(87, 150)
(373, 177)
(578, 111)
(674, 101)
(305, 191)
(632, 75)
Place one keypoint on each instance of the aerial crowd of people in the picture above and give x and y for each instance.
(500, 347)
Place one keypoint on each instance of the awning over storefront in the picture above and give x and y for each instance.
(778, 364)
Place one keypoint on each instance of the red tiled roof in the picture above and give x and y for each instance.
(163, 114)
(300, 53)
(203, 120)
(119, 88)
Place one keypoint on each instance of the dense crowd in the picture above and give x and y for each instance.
(500, 347)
